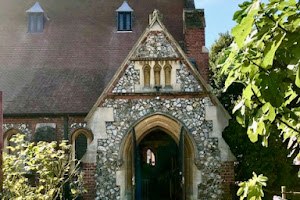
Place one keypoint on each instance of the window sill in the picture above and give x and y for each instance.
(124, 31)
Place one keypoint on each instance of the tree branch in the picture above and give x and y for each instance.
(280, 120)
(254, 63)
(273, 20)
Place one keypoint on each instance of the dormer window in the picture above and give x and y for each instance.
(124, 17)
(35, 19)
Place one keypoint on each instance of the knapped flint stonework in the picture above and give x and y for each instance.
(128, 80)
(23, 128)
(156, 46)
(189, 111)
(106, 188)
(75, 126)
(187, 80)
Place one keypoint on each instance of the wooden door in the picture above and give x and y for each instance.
(136, 169)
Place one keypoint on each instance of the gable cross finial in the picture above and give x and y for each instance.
(155, 14)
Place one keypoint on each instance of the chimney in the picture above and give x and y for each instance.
(194, 36)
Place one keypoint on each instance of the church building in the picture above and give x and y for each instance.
(126, 83)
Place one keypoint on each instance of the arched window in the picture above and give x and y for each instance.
(6, 140)
(147, 69)
(45, 133)
(157, 69)
(168, 69)
(80, 140)
(150, 158)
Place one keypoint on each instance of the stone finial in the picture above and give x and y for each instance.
(154, 14)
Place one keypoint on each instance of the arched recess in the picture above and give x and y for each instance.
(172, 127)
(168, 69)
(157, 70)
(147, 71)
(81, 132)
(7, 136)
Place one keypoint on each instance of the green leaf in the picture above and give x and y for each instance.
(247, 92)
(297, 81)
(271, 49)
(252, 135)
(273, 86)
(260, 128)
(269, 111)
(242, 30)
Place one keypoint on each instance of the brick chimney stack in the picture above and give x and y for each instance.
(194, 36)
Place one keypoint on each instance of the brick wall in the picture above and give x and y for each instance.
(227, 173)
(32, 122)
(194, 41)
(89, 180)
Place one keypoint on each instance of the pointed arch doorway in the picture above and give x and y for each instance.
(157, 158)
(157, 168)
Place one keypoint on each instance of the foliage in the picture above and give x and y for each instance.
(265, 57)
(252, 189)
(217, 56)
(271, 161)
(249, 154)
(39, 171)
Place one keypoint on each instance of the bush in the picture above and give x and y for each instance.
(39, 171)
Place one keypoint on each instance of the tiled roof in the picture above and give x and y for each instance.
(65, 68)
